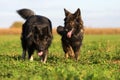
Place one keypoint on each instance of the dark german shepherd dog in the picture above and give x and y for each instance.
(36, 34)
(72, 33)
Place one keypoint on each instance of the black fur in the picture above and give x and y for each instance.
(36, 34)
(72, 33)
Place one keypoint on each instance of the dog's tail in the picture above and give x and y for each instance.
(60, 30)
(25, 13)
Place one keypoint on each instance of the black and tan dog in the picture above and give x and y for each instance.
(72, 33)
(36, 34)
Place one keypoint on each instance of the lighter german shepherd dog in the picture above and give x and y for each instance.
(72, 33)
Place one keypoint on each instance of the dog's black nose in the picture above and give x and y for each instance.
(41, 48)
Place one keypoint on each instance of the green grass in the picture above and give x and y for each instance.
(99, 60)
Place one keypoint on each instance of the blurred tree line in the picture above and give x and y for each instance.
(17, 24)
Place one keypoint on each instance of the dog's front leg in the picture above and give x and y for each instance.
(30, 54)
(44, 57)
(76, 50)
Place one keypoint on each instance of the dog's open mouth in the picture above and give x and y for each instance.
(69, 34)
(40, 53)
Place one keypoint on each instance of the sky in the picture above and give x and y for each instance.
(95, 13)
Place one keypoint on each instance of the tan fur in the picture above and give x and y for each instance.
(70, 53)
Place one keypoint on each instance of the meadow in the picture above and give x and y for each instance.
(99, 60)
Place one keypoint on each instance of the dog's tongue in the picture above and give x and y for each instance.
(40, 53)
(69, 34)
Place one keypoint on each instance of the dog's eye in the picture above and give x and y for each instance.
(72, 23)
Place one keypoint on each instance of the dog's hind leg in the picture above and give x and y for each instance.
(23, 42)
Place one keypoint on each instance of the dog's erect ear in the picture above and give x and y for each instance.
(66, 12)
(46, 31)
(77, 13)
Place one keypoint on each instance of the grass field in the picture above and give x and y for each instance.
(99, 60)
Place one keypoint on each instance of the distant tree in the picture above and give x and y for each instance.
(17, 24)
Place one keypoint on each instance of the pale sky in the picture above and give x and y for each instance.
(95, 13)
